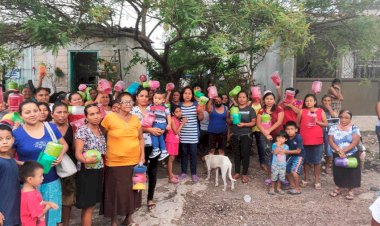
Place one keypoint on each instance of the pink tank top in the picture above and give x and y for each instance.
(171, 137)
(311, 133)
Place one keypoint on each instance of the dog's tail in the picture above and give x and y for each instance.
(229, 172)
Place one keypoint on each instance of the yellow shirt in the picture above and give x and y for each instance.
(123, 144)
(257, 109)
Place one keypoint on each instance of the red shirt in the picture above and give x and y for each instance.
(311, 134)
(31, 207)
(289, 114)
(274, 118)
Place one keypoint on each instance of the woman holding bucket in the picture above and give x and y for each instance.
(90, 145)
(30, 140)
(343, 139)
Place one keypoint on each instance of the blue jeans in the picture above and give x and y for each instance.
(158, 142)
(328, 150)
(189, 149)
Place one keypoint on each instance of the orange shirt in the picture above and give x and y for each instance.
(123, 144)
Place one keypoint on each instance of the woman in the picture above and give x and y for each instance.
(343, 139)
(291, 106)
(125, 149)
(45, 113)
(189, 133)
(30, 140)
(269, 121)
(217, 128)
(60, 118)
(75, 99)
(140, 110)
(89, 180)
(256, 105)
(311, 121)
(173, 98)
(241, 136)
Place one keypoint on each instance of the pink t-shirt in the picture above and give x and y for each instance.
(31, 207)
(171, 136)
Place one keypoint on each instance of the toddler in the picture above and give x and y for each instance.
(172, 140)
(9, 182)
(33, 209)
(163, 122)
(279, 162)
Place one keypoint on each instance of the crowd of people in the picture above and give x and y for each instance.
(291, 137)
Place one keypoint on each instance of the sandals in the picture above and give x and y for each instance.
(304, 184)
(173, 180)
(293, 191)
(271, 192)
(245, 179)
(317, 186)
(236, 176)
(350, 195)
(335, 193)
(151, 205)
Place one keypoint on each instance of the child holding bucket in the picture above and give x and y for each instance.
(10, 185)
(172, 140)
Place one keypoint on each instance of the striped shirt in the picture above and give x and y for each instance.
(189, 132)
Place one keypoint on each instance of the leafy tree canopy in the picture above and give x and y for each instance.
(200, 36)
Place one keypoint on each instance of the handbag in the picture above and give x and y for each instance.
(66, 168)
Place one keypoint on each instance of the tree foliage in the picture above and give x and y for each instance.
(200, 36)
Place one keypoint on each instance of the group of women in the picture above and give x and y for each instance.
(124, 144)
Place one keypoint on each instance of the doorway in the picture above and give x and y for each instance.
(83, 68)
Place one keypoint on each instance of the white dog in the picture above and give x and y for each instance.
(222, 162)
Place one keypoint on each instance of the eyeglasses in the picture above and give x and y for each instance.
(127, 102)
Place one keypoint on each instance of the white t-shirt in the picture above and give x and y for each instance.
(375, 209)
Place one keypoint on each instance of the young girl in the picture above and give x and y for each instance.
(172, 141)
(332, 119)
(311, 120)
(33, 209)
(190, 133)
(10, 186)
(279, 162)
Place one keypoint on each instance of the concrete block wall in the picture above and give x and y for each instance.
(104, 48)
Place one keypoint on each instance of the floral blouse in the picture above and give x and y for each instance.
(344, 138)
(91, 142)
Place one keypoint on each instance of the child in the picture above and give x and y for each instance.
(279, 162)
(295, 157)
(33, 209)
(162, 121)
(172, 141)
(335, 92)
(9, 182)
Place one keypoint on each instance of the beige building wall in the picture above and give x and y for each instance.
(104, 47)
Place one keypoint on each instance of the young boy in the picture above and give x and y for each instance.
(295, 157)
(9, 182)
(33, 209)
(279, 162)
(163, 122)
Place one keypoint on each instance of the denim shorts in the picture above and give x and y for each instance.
(313, 153)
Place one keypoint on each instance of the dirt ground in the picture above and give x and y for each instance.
(312, 207)
(205, 204)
